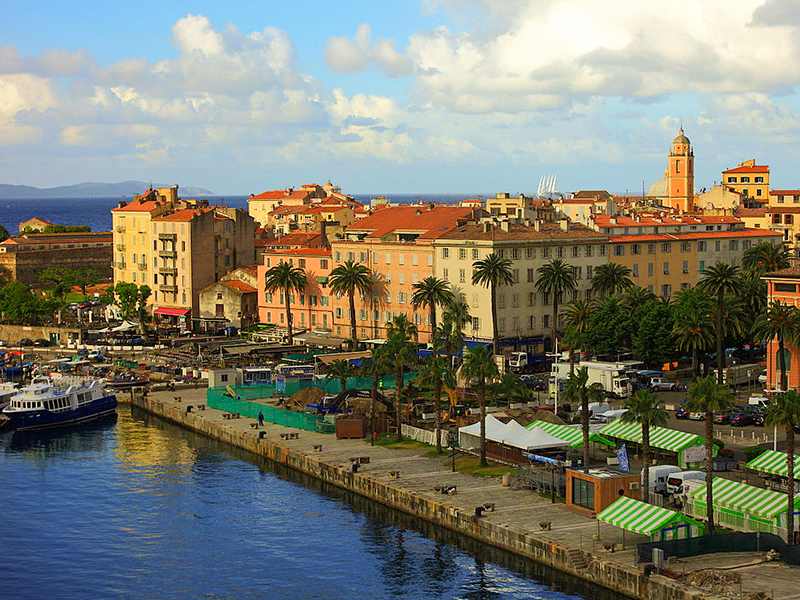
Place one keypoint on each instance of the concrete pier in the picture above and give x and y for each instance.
(406, 480)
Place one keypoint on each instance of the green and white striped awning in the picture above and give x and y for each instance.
(573, 435)
(744, 498)
(774, 463)
(639, 517)
(660, 437)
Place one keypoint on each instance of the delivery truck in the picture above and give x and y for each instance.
(611, 376)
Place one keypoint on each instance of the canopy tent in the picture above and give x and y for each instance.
(662, 438)
(172, 312)
(572, 435)
(125, 326)
(653, 521)
(323, 341)
(743, 507)
(774, 463)
(511, 434)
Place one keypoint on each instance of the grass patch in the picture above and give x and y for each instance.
(406, 444)
(471, 465)
(71, 296)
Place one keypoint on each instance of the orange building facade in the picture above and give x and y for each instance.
(783, 286)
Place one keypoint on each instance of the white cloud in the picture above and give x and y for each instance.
(195, 33)
(344, 55)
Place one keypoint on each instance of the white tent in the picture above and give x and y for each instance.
(511, 434)
(126, 326)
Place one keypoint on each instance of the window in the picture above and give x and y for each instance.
(786, 287)
(666, 268)
(475, 300)
(733, 245)
(589, 272)
(745, 179)
(583, 493)
(415, 278)
(686, 246)
(619, 250)
(758, 191)
(545, 252)
(362, 257)
(731, 179)
(636, 249)
(701, 265)
(578, 272)
(388, 278)
(323, 300)
(530, 252)
(388, 295)
(374, 257)
(401, 278)
(589, 251)
(462, 254)
(546, 321)
(666, 290)
(362, 315)
(635, 271)
(575, 251)
(401, 259)
(416, 319)
(780, 200)
(415, 259)
(312, 300)
(650, 269)
(515, 275)
(717, 245)
(515, 254)
(337, 256)
(501, 301)
(603, 250)
(666, 247)
(531, 275)
(445, 274)
(651, 248)
(514, 300)
(462, 276)
(701, 246)
(475, 254)
(338, 313)
(560, 252)
(759, 180)
(430, 260)
(476, 323)
(401, 297)
(746, 193)
(445, 252)
(531, 322)
(501, 324)
(685, 266)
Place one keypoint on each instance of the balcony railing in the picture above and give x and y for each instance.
(167, 236)
(120, 228)
(167, 253)
(168, 288)
(121, 247)
(168, 270)
(121, 265)
(143, 266)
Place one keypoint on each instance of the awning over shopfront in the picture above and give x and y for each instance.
(654, 521)
(322, 341)
(774, 463)
(744, 498)
(671, 440)
(572, 435)
(172, 312)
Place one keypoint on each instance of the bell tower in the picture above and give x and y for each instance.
(680, 174)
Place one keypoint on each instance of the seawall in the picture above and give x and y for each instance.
(573, 561)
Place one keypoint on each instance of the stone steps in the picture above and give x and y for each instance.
(578, 559)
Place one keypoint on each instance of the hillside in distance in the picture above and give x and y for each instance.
(93, 190)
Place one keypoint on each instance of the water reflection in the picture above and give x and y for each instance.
(52, 443)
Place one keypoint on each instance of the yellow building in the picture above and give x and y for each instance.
(178, 247)
(718, 198)
(750, 180)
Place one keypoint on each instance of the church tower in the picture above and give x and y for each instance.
(680, 174)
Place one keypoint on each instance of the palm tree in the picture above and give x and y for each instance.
(610, 279)
(348, 278)
(720, 280)
(430, 292)
(341, 370)
(287, 278)
(556, 277)
(456, 318)
(767, 257)
(752, 297)
(432, 376)
(578, 391)
(636, 297)
(646, 408)
(379, 366)
(692, 331)
(398, 345)
(786, 413)
(707, 396)
(492, 272)
(781, 322)
(576, 321)
(480, 369)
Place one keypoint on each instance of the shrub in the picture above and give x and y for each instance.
(753, 452)
(726, 453)
(718, 443)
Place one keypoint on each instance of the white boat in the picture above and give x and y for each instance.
(70, 400)
(7, 391)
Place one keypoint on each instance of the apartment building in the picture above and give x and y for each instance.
(230, 302)
(783, 286)
(312, 308)
(396, 243)
(750, 180)
(178, 247)
(524, 316)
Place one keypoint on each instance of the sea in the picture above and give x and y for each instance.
(135, 508)
(96, 212)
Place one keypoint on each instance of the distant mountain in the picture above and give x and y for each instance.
(93, 190)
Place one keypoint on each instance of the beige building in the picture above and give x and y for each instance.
(750, 180)
(178, 247)
(230, 302)
(524, 315)
(719, 197)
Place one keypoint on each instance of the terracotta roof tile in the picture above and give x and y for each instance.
(281, 195)
(297, 238)
(695, 235)
(753, 169)
(240, 286)
(186, 214)
(792, 272)
(784, 193)
(476, 231)
(137, 206)
(429, 223)
(751, 212)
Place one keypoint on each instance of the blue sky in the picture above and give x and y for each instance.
(469, 96)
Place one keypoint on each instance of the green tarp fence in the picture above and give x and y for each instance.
(218, 398)
(330, 386)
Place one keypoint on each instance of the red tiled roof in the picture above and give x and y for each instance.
(649, 221)
(325, 209)
(36, 219)
(186, 214)
(249, 269)
(281, 195)
(695, 235)
(298, 209)
(791, 272)
(782, 210)
(753, 169)
(297, 238)
(476, 231)
(751, 212)
(430, 223)
(240, 286)
(306, 252)
(137, 206)
(784, 193)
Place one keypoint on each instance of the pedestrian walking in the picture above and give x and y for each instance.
(260, 419)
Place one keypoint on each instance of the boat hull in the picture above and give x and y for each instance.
(40, 419)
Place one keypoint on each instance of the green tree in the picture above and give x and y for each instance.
(341, 370)
(347, 279)
(707, 396)
(780, 322)
(609, 326)
(431, 376)
(492, 272)
(480, 370)
(57, 275)
(786, 413)
(644, 407)
(399, 335)
(455, 319)
(720, 280)
(3, 234)
(556, 277)
(432, 291)
(59, 295)
(85, 278)
(693, 329)
(653, 342)
(575, 319)
(579, 391)
(611, 279)
(636, 297)
(287, 279)
(752, 296)
(19, 304)
(767, 257)
(377, 367)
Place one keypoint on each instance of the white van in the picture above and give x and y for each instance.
(658, 477)
(676, 481)
(609, 415)
(760, 401)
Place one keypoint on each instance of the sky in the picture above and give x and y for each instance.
(426, 96)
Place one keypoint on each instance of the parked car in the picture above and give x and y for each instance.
(41, 343)
(681, 413)
(26, 342)
(533, 383)
(697, 416)
(722, 418)
(660, 384)
(762, 379)
(741, 419)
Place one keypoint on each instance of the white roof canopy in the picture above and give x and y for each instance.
(511, 434)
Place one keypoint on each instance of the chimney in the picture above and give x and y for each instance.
(564, 224)
(121, 204)
(323, 228)
(527, 222)
(417, 212)
(487, 227)
(537, 225)
(505, 226)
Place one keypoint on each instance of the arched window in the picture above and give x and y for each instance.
(677, 166)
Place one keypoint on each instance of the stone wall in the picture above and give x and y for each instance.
(12, 334)
(617, 578)
(26, 266)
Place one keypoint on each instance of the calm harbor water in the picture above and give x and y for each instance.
(136, 508)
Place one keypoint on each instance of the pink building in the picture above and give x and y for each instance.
(783, 286)
(311, 309)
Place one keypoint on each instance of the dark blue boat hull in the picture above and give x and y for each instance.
(38, 419)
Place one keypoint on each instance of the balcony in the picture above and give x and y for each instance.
(120, 228)
(143, 266)
(167, 253)
(167, 236)
(121, 265)
(167, 270)
(121, 247)
(172, 289)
